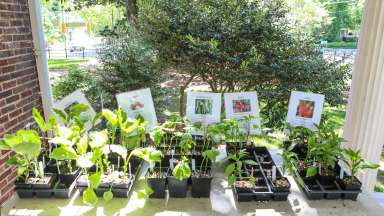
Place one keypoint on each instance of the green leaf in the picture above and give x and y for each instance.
(13, 160)
(77, 109)
(110, 117)
(182, 170)
(90, 197)
(311, 171)
(30, 145)
(231, 180)
(250, 162)
(211, 154)
(98, 139)
(84, 161)
(63, 153)
(39, 120)
(252, 180)
(120, 150)
(61, 115)
(145, 193)
(94, 180)
(229, 169)
(108, 195)
(82, 145)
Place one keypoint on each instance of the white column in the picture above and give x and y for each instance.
(41, 56)
(364, 127)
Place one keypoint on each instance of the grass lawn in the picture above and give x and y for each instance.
(342, 45)
(64, 64)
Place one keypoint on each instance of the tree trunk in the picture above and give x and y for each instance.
(132, 10)
(182, 91)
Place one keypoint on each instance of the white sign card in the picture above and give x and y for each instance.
(242, 104)
(305, 109)
(77, 97)
(204, 107)
(138, 102)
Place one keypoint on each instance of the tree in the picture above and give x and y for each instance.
(240, 45)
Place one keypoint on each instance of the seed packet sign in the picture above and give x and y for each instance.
(139, 102)
(77, 97)
(243, 104)
(203, 107)
(305, 109)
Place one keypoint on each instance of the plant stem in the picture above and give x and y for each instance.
(58, 167)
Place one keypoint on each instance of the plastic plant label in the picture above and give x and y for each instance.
(341, 173)
(193, 164)
(171, 164)
(151, 165)
(273, 173)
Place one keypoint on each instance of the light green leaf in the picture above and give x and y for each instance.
(229, 169)
(231, 180)
(110, 117)
(63, 153)
(90, 197)
(120, 150)
(94, 180)
(84, 161)
(98, 139)
(39, 120)
(108, 195)
(82, 145)
(311, 171)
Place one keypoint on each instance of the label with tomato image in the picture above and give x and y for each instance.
(305, 109)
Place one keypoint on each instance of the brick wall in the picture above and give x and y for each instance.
(19, 86)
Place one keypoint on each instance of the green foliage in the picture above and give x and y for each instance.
(64, 64)
(182, 170)
(234, 168)
(128, 63)
(289, 161)
(356, 162)
(240, 46)
(186, 143)
(209, 155)
(27, 146)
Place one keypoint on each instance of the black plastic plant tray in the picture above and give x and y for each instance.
(62, 191)
(316, 191)
(265, 161)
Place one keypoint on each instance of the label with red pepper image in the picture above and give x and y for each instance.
(241, 106)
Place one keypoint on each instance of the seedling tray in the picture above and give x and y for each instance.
(314, 190)
(263, 190)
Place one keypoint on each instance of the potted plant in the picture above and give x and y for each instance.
(234, 169)
(157, 176)
(355, 162)
(178, 181)
(30, 172)
(201, 179)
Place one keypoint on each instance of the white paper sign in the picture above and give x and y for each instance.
(305, 109)
(139, 102)
(204, 107)
(243, 104)
(77, 97)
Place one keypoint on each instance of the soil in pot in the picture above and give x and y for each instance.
(281, 185)
(327, 177)
(157, 180)
(349, 183)
(45, 182)
(244, 186)
(201, 183)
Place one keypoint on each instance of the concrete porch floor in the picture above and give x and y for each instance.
(221, 202)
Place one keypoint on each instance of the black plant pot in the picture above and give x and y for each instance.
(176, 188)
(24, 190)
(349, 186)
(326, 179)
(201, 186)
(68, 179)
(158, 186)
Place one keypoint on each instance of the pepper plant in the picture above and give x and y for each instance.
(234, 168)
(356, 162)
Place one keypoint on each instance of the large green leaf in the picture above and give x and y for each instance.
(90, 197)
(182, 170)
(84, 161)
(30, 145)
(231, 180)
(211, 154)
(61, 115)
(120, 150)
(63, 153)
(98, 139)
(77, 109)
